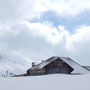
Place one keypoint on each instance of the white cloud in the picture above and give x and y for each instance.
(27, 9)
(51, 41)
(32, 38)
(70, 8)
(79, 39)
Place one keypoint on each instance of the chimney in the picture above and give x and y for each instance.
(42, 61)
(33, 64)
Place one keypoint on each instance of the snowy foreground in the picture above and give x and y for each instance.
(46, 82)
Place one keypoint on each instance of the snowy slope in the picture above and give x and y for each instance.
(46, 82)
(14, 64)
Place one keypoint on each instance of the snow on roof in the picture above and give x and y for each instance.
(77, 68)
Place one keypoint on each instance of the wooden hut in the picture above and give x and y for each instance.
(50, 66)
(54, 65)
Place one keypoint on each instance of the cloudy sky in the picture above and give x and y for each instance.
(39, 29)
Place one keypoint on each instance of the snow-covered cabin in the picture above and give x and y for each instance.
(56, 64)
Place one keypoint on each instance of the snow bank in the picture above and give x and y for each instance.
(46, 82)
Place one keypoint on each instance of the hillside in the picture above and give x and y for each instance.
(14, 64)
(46, 82)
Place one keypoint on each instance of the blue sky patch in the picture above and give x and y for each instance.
(69, 23)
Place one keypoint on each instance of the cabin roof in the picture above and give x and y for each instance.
(77, 67)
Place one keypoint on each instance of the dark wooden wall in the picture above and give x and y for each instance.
(37, 72)
(57, 68)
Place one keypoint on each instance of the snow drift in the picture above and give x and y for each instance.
(46, 82)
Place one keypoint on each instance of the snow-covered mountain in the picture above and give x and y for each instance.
(14, 64)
